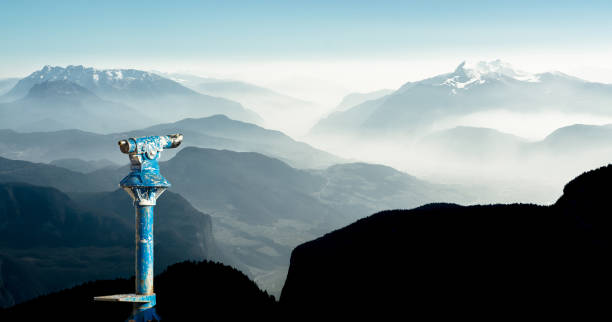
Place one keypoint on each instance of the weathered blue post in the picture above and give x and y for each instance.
(144, 184)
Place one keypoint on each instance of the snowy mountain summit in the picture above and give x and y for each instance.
(466, 76)
(87, 75)
(107, 83)
(484, 86)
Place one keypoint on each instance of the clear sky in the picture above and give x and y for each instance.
(387, 41)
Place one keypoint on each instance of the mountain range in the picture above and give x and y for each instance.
(61, 104)
(262, 100)
(261, 207)
(217, 132)
(149, 94)
(480, 261)
(416, 106)
(553, 159)
(6, 84)
(355, 99)
(486, 143)
(291, 115)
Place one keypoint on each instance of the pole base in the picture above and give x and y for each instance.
(134, 298)
(148, 315)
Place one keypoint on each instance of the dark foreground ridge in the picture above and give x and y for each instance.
(440, 260)
(202, 290)
(450, 260)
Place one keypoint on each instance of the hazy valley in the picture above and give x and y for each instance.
(247, 194)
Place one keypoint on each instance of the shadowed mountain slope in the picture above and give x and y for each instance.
(42, 174)
(479, 261)
(185, 291)
(62, 240)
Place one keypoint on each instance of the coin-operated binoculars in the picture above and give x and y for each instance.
(144, 184)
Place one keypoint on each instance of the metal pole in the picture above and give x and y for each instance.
(144, 254)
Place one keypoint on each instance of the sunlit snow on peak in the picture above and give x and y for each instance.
(467, 75)
(498, 69)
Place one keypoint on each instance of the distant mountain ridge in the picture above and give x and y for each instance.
(111, 83)
(261, 206)
(61, 104)
(415, 106)
(150, 94)
(216, 131)
(354, 99)
(289, 114)
(6, 84)
(464, 143)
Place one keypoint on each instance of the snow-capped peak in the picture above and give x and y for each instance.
(88, 76)
(498, 68)
(466, 75)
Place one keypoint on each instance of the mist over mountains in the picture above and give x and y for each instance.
(355, 99)
(217, 132)
(417, 106)
(60, 104)
(485, 124)
(155, 97)
(262, 208)
(248, 195)
(6, 84)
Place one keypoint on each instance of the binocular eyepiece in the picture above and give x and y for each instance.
(150, 145)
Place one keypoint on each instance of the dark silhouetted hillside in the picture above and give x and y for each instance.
(52, 176)
(50, 241)
(479, 261)
(187, 291)
(83, 166)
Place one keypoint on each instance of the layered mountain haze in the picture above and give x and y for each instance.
(41, 174)
(6, 84)
(218, 132)
(60, 104)
(245, 137)
(279, 111)
(490, 155)
(483, 125)
(150, 94)
(83, 166)
(462, 137)
(262, 208)
(355, 99)
(473, 144)
(488, 86)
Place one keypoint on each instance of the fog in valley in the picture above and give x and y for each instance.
(277, 165)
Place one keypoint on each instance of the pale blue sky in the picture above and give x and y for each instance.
(168, 34)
